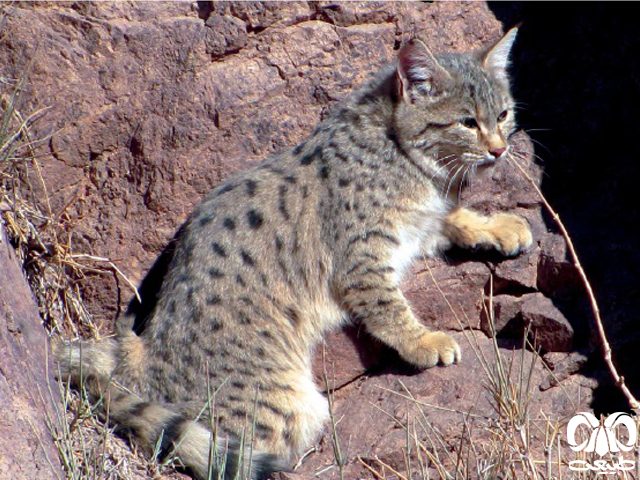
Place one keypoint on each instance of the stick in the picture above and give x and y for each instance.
(606, 347)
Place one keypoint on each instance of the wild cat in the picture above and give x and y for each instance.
(273, 258)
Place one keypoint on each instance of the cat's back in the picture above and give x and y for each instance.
(246, 295)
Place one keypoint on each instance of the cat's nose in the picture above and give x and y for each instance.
(496, 152)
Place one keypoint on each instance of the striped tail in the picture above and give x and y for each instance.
(162, 429)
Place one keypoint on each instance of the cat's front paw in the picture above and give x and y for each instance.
(511, 233)
(433, 348)
(508, 234)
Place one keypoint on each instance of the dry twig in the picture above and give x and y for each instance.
(606, 347)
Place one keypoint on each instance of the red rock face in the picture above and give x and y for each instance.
(27, 388)
(152, 104)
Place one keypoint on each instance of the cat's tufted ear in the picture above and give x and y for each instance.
(419, 75)
(496, 58)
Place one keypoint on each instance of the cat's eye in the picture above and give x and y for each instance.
(503, 116)
(469, 122)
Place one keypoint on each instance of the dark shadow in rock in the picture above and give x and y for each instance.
(376, 357)
(576, 74)
(455, 256)
(510, 343)
(150, 286)
(371, 352)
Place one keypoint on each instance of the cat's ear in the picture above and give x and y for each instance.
(496, 58)
(419, 75)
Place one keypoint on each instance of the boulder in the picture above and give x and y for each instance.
(29, 395)
(386, 419)
(548, 329)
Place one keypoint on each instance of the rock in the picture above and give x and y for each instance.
(27, 387)
(518, 274)
(562, 365)
(376, 416)
(548, 327)
(557, 275)
(506, 308)
(225, 34)
(451, 299)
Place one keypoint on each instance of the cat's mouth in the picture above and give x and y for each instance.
(476, 160)
(486, 162)
(489, 159)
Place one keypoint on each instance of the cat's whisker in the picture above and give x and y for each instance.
(538, 157)
(537, 142)
(446, 182)
(538, 130)
(453, 155)
(516, 160)
(448, 173)
(442, 167)
(518, 154)
(520, 105)
(452, 180)
(523, 156)
(472, 174)
(466, 176)
(449, 162)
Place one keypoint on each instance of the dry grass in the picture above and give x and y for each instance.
(88, 448)
(338, 455)
(513, 443)
(44, 242)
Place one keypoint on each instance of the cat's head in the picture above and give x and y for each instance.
(455, 109)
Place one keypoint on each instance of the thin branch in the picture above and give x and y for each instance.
(606, 347)
(116, 269)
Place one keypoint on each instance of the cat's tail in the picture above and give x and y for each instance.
(162, 429)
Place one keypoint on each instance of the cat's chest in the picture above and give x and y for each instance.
(422, 235)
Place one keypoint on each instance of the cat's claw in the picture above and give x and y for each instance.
(434, 348)
(511, 233)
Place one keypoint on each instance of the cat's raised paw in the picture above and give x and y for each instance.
(507, 233)
(433, 348)
(511, 233)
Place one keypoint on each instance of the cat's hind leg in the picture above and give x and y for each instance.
(297, 415)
